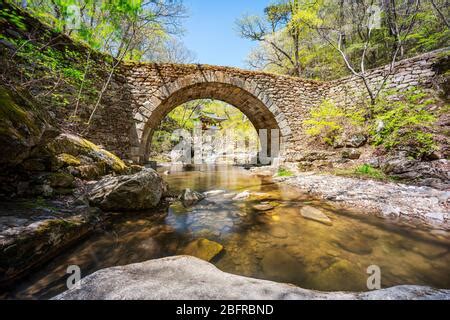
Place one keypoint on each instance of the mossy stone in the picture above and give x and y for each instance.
(203, 249)
(69, 160)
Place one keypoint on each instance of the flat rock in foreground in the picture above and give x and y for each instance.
(186, 277)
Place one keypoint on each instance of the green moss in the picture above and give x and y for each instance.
(283, 172)
(11, 114)
(114, 161)
(69, 159)
(75, 146)
(60, 179)
(369, 171)
(57, 225)
(364, 171)
(37, 203)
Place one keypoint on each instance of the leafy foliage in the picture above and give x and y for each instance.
(236, 126)
(130, 29)
(283, 172)
(300, 37)
(403, 121)
(369, 171)
(328, 121)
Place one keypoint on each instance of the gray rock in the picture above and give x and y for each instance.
(356, 141)
(190, 197)
(431, 173)
(241, 196)
(407, 202)
(351, 154)
(263, 207)
(185, 277)
(315, 155)
(142, 190)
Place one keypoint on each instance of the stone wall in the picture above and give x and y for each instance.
(269, 101)
(416, 71)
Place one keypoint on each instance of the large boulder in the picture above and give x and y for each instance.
(185, 277)
(430, 173)
(73, 150)
(142, 190)
(32, 240)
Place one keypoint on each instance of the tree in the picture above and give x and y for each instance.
(412, 26)
(120, 28)
(270, 29)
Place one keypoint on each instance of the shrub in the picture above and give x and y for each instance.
(283, 172)
(403, 123)
(328, 121)
(368, 170)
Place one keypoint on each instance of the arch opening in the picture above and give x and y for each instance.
(259, 113)
(227, 134)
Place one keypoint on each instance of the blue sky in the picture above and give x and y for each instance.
(211, 32)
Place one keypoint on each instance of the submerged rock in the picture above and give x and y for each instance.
(241, 196)
(357, 244)
(279, 265)
(263, 207)
(142, 190)
(278, 232)
(190, 197)
(203, 249)
(339, 273)
(315, 214)
(183, 277)
(212, 193)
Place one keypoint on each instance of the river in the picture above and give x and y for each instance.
(277, 244)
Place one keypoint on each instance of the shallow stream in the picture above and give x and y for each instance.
(276, 243)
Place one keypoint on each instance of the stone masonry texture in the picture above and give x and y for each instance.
(142, 94)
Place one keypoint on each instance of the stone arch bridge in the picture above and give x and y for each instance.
(142, 94)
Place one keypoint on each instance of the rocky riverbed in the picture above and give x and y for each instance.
(387, 199)
(185, 277)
